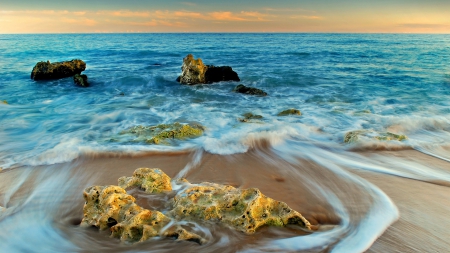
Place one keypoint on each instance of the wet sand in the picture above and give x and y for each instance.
(423, 206)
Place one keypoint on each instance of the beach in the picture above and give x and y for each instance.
(349, 130)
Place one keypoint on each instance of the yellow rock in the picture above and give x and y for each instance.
(110, 207)
(150, 180)
(243, 209)
(193, 70)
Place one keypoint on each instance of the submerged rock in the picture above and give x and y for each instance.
(160, 133)
(150, 180)
(249, 90)
(47, 71)
(248, 117)
(243, 209)
(358, 135)
(290, 112)
(111, 207)
(193, 71)
(81, 80)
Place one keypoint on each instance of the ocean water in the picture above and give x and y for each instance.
(340, 82)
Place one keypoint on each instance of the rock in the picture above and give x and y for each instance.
(193, 71)
(220, 73)
(47, 71)
(243, 209)
(81, 80)
(248, 117)
(161, 133)
(4, 102)
(111, 207)
(150, 180)
(290, 112)
(359, 135)
(249, 90)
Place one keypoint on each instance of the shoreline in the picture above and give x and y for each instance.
(421, 204)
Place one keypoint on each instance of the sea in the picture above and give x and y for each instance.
(374, 85)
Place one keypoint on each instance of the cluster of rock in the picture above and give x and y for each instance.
(245, 210)
(193, 71)
(163, 133)
(359, 135)
(57, 70)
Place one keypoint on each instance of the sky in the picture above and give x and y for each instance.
(117, 16)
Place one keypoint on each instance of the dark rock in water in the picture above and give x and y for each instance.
(195, 72)
(47, 71)
(81, 80)
(249, 117)
(220, 73)
(290, 112)
(249, 90)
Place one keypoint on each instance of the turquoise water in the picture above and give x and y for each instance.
(340, 82)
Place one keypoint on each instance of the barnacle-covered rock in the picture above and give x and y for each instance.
(360, 135)
(243, 209)
(47, 71)
(150, 180)
(290, 112)
(111, 207)
(164, 132)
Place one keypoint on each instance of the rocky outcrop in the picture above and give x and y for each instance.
(193, 71)
(150, 180)
(111, 207)
(245, 210)
(249, 117)
(360, 135)
(164, 132)
(249, 90)
(220, 73)
(47, 71)
(290, 112)
(81, 80)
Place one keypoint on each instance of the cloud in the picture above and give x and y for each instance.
(306, 17)
(425, 26)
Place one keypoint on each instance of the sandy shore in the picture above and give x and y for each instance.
(423, 206)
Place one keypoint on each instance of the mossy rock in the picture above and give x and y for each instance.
(359, 135)
(110, 207)
(150, 180)
(290, 112)
(248, 117)
(163, 133)
(245, 210)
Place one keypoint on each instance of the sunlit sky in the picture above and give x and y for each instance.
(97, 16)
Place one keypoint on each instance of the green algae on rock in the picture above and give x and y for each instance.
(47, 71)
(150, 180)
(354, 136)
(243, 209)
(163, 132)
(111, 207)
(289, 112)
(248, 117)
